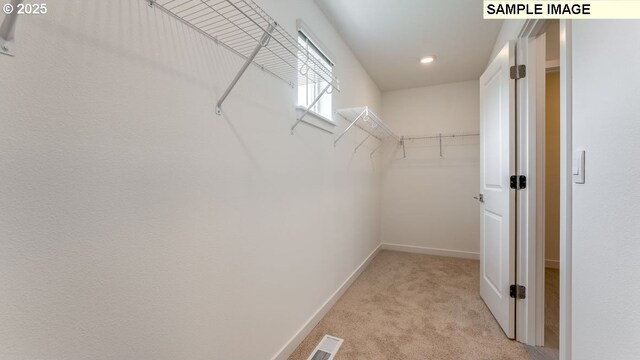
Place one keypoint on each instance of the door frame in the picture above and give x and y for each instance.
(530, 262)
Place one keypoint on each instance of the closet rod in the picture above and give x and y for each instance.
(439, 136)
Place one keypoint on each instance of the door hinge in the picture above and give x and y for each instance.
(518, 72)
(517, 292)
(518, 182)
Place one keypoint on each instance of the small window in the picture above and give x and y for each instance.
(308, 85)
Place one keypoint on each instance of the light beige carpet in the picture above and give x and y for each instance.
(414, 307)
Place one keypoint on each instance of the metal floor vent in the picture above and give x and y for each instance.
(327, 348)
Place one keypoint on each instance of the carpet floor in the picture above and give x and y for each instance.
(414, 307)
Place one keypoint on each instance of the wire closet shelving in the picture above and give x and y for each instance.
(439, 137)
(365, 119)
(245, 29)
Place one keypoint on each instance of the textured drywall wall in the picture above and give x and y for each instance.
(136, 223)
(427, 201)
(552, 167)
(606, 209)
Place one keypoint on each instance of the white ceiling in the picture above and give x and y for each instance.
(390, 36)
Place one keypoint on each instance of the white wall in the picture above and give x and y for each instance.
(137, 224)
(427, 201)
(606, 209)
(509, 31)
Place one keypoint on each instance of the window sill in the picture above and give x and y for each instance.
(316, 120)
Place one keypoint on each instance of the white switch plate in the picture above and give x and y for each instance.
(577, 167)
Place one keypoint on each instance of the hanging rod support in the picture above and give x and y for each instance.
(376, 149)
(361, 143)
(404, 150)
(8, 28)
(264, 41)
(309, 107)
(364, 112)
(440, 141)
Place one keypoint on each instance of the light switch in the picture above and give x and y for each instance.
(577, 167)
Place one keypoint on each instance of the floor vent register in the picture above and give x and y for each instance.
(327, 348)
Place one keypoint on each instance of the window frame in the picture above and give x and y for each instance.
(312, 42)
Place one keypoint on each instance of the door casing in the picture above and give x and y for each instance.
(529, 240)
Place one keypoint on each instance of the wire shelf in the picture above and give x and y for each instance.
(242, 27)
(442, 136)
(368, 121)
(438, 137)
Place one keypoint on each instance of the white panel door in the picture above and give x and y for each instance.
(497, 207)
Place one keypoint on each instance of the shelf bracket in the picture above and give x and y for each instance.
(376, 149)
(440, 141)
(306, 112)
(364, 112)
(404, 150)
(264, 41)
(361, 143)
(8, 28)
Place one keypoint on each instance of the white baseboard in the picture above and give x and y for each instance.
(302, 333)
(431, 251)
(553, 264)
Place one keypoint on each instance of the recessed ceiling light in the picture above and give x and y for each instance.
(427, 60)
